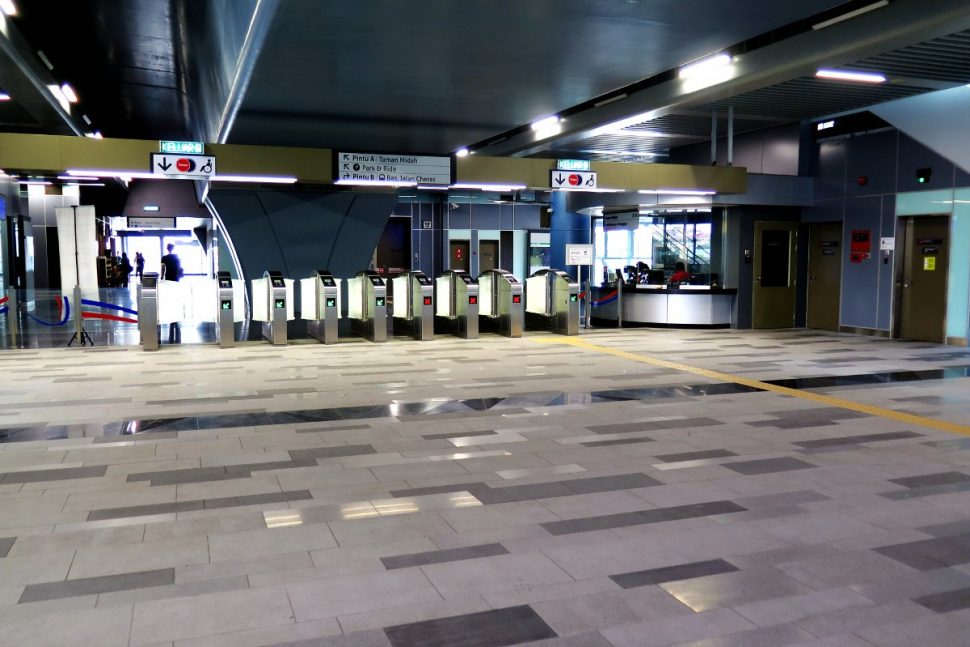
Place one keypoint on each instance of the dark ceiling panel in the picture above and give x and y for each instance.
(432, 76)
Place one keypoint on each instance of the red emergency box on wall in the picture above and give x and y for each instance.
(860, 245)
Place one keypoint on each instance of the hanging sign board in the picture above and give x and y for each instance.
(375, 168)
(621, 220)
(573, 165)
(183, 167)
(576, 180)
(181, 148)
(579, 254)
(151, 222)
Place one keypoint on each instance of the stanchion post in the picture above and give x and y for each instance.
(619, 303)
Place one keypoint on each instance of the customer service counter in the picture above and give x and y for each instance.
(661, 306)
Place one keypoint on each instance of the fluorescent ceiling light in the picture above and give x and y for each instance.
(596, 190)
(69, 93)
(8, 7)
(95, 135)
(264, 179)
(150, 207)
(602, 151)
(616, 126)
(850, 14)
(678, 191)
(488, 187)
(849, 75)
(102, 173)
(46, 61)
(4, 96)
(462, 152)
(373, 183)
(77, 178)
(433, 187)
(545, 124)
(86, 119)
(606, 102)
(705, 66)
(36, 182)
(58, 94)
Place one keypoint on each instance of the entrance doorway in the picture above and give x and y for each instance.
(773, 300)
(824, 275)
(487, 255)
(458, 255)
(921, 278)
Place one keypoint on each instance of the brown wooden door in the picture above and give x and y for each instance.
(824, 275)
(922, 310)
(458, 255)
(773, 301)
(487, 255)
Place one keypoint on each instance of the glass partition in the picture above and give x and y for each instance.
(654, 248)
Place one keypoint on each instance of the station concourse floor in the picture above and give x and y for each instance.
(623, 487)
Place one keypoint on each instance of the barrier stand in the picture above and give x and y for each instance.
(80, 334)
(8, 305)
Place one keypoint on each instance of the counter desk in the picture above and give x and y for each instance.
(657, 305)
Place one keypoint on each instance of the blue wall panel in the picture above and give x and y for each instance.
(912, 156)
(859, 280)
(876, 160)
(830, 171)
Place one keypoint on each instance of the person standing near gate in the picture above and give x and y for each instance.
(172, 271)
(139, 265)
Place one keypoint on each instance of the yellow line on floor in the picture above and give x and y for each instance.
(899, 416)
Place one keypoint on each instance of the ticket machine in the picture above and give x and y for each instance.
(456, 303)
(225, 314)
(552, 301)
(367, 305)
(273, 305)
(500, 302)
(148, 311)
(320, 299)
(413, 303)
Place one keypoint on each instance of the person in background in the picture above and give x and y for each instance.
(680, 275)
(125, 269)
(139, 265)
(172, 271)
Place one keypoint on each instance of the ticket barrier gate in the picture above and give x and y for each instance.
(225, 316)
(552, 301)
(367, 305)
(414, 303)
(273, 305)
(500, 302)
(320, 300)
(148, 311)
(456, 303)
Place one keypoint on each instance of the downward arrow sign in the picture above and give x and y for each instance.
(560, 179)
(164, 165)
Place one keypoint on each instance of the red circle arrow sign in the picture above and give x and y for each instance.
(574, 180)
(184, 165)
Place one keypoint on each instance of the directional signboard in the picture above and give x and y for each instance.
(575, 180)
(621, 219)
(579, 254)
(392, 169)
(183, 167)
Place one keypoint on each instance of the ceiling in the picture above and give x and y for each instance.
(434, 76)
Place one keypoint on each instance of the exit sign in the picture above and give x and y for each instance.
(573, 165)
(181, 148)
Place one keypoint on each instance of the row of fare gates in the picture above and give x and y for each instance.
(455, 303)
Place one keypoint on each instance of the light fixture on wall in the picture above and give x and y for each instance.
(850, 75)
(923, 175)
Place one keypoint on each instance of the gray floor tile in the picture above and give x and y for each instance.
(695, 456)
(374, 638)
(929, 554)
(672, 573)
(768, 465)
(618, 441)
(332, 452)
(931, 480)
(733, 589)
(855, 440)
(457, 434)
(509, 626)
(439, 556)
(67, 473)
(764, 637)
(947, 529)
(946, 601)
(5, 544)
(92, 585)
(656, 515)
(912, 585)
(925, 491)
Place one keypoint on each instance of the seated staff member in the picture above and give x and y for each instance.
(680, 275)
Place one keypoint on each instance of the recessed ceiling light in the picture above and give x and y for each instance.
(704, 66)
(58, 94)
(545, 124)
(678, 191)
(849, 75)
(150, 207)
(46, 61)
(95, 135)
(8, 7)
(488, 187)
(462, 152)
(69, 93)
(4, 96)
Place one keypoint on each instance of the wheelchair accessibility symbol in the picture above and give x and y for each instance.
(207, 167)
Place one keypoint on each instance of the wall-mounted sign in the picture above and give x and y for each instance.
(579, 254)
(181, 148)
(183, 167)
(151, 222)
(573, 165)
(929, 263)
(577, 180)
(392, 169)
(887, 244)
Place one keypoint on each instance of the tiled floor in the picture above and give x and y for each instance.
(488, 492)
